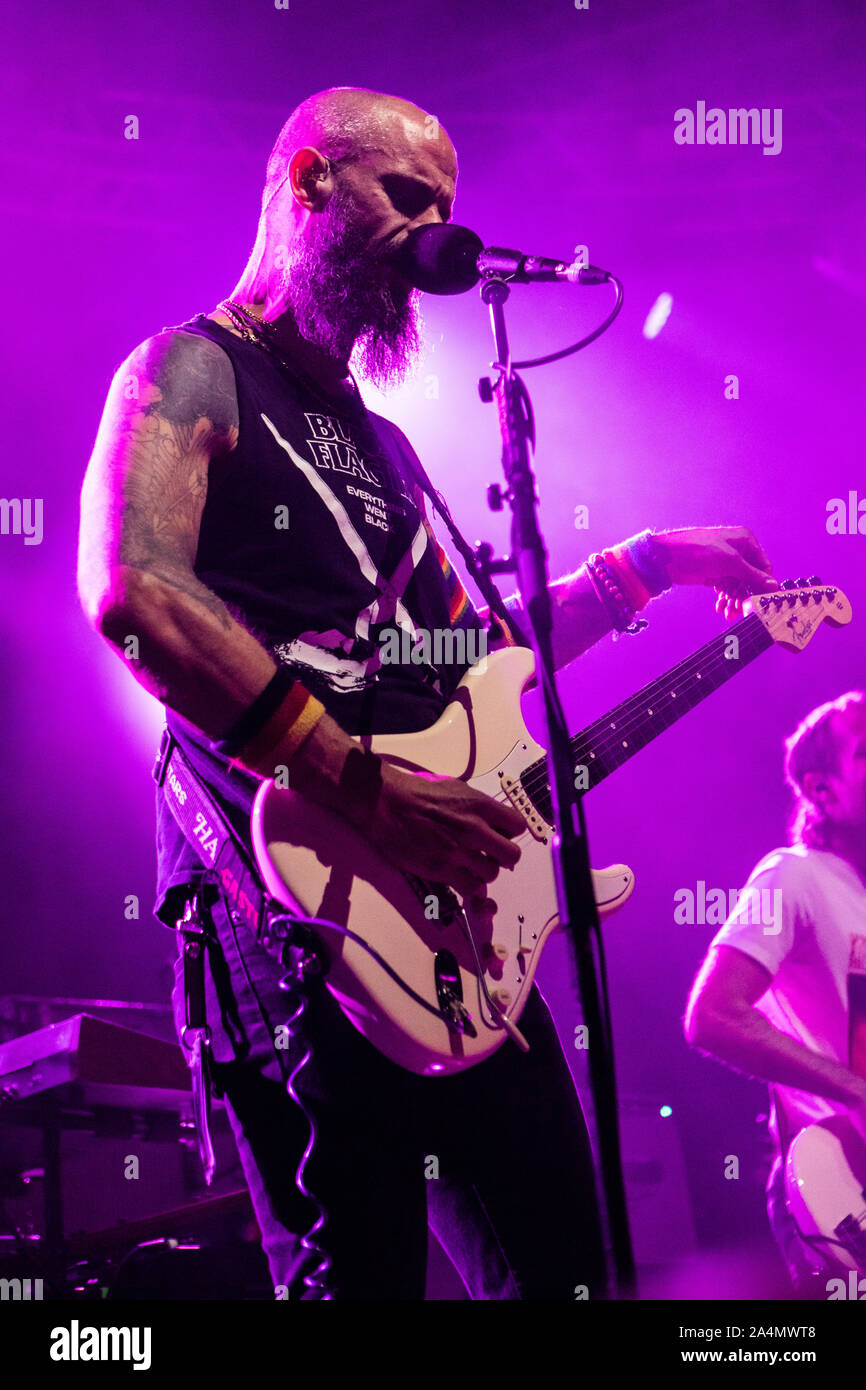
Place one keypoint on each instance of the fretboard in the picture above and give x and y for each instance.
(602, 747)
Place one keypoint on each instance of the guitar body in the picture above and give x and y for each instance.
(825, 1187)
(478, 968)
(314, 863)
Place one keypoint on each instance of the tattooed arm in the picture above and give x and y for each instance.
(171, 408)
(141, 508)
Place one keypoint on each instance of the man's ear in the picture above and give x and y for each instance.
(817, 788)
(310, 178)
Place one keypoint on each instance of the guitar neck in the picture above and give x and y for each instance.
(618, 735)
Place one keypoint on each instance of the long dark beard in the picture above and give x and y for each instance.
(343, 302)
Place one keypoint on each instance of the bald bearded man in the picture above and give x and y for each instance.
(264, 645)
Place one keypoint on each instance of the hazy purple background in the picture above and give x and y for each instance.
(563, 122)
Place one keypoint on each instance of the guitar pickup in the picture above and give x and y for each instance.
(513, 788)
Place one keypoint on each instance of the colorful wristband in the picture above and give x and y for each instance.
(259, 712)
(619, 561)
(643, 551)
(288, 726)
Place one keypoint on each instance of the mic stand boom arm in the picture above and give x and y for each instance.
(578, 913)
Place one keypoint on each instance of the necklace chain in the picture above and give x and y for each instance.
(256, 330)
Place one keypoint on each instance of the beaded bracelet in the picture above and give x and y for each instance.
(611, 596)
(619, 564)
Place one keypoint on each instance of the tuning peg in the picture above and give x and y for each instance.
(789, 583)
(802, 583)
(813, 579)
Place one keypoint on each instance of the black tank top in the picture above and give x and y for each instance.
(314, 534)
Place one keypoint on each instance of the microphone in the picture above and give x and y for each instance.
(448, 259)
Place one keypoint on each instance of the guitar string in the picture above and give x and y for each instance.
(750, 629)
(537, 782)
(605, 752)
(633, 709)
(631, 714)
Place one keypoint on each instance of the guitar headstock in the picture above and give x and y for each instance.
(794, 612)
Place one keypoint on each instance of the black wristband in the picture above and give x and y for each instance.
(258, 714)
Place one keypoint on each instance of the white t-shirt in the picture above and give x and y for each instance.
(808, 928)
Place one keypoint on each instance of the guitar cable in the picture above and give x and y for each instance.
(317, 1282)
(498, 1014)
(301, 920)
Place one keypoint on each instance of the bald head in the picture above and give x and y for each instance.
(352, 173)
(348, 124)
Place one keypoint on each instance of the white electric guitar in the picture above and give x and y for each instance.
(825, 1187)
(435, 987)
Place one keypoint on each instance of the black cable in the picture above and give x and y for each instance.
(584, 342)
(371, 950)
(317, 1282)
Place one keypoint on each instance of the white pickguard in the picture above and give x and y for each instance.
(312, 860)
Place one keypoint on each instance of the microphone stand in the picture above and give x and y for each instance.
(578, 913)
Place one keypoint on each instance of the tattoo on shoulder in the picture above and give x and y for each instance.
(186, 413)
(195, 380)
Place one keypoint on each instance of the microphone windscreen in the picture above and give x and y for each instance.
(441, 259)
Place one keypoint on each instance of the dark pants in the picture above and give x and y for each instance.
(496, 1159)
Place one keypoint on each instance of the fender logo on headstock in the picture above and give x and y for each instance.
(799, 630)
